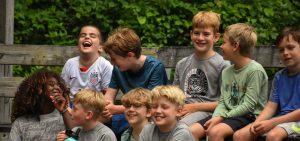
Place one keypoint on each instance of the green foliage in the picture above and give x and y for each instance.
(158, 22)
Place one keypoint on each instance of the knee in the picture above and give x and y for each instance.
(197, 131)
(214, 133)
(240, 135)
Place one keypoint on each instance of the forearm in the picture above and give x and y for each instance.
(268, 112)
(203, 106)
(290, 117)
(67, 119)
(118, 109)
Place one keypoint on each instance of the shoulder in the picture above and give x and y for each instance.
(72, 60)
(185, 59)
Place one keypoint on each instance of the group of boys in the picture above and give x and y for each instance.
(215, 99)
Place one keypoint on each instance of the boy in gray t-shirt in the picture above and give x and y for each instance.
(199, 74)
(88, 105)
(167, 101)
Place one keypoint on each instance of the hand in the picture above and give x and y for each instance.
(59, 101)
(61, 136)
(107, 112)
(186, 110)
(212, 122)
(263, 126)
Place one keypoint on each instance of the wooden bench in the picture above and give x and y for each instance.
(46, 55)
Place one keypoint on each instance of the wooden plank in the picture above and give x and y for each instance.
(266, 55)
(36, 54)
(9, 85)
(57, 55)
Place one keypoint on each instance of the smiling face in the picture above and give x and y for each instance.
(289, 51)
(52, 87)
(164, 113)
(89, 40)
(123, 63)
(203, 39)
(136, 114)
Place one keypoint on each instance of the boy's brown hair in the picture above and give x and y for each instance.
(289, 31)
(244, 35)
(171, 92)
(137, 95)
(123, 40)
(206, 19)
(90, 100)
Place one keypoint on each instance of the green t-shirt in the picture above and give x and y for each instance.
(243, 91)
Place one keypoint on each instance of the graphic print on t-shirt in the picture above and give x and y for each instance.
(195, 83)
(94, 78)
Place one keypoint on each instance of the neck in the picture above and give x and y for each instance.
(293, 70)
(204, 55)
(241, 62)
(89, 125)
(167, 128)
(137, 129)
(88, 60)
(138, 64)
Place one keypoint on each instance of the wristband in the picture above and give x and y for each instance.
(65, 110)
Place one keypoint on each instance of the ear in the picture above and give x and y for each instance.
(179, 109)
(148, 114)
(191, 33)
(236, 46)
(130, 54)
(100, 50)
(216, 37)
(89, 115)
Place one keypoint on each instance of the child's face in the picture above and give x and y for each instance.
(289, 51)
(78, 114)
(227, 48)
(203, 38)
(164, 113)
(53, 87)
(123, 63)
(89, 41)
(136, 113)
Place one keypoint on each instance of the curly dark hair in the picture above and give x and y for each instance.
(29, 98)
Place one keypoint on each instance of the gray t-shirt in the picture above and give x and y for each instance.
(30, 129)
(200, 79)
(181, 132)
(99, 133)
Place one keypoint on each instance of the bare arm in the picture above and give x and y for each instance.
(194, 107)
(110, 107)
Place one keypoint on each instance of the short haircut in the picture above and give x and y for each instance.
(206, 19)
(171, 92)
(94, 26)
(243, 34)
(90, 100)
(137, 95)
(123, 40)
(287, 31)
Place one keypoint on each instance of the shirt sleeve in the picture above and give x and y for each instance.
(15, 132)
(158, 77)
(106, 75)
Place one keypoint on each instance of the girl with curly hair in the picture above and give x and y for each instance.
(36, 107)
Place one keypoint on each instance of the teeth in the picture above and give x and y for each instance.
(87, 44)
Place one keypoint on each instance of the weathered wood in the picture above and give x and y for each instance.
(58, 55)
(9, 85)
(266, 55)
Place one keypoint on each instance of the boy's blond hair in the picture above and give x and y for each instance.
(206, 19)
(137, 95)
(123, 40)
(90, 100)
(243, 34)
(173, 93)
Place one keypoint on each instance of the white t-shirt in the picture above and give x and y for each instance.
(97, 77)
